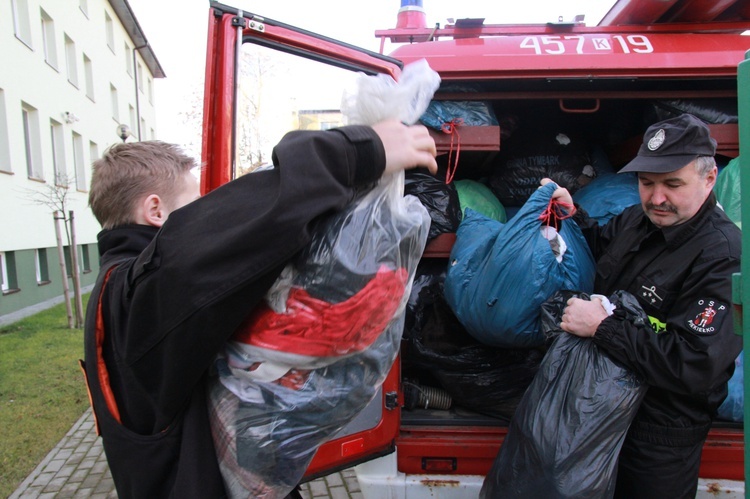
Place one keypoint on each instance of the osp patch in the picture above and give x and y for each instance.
(706, 316)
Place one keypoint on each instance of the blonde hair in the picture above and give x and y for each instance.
(128, 172)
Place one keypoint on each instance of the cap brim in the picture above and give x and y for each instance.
(658, 164)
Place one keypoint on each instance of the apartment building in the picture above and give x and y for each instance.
(77, 76)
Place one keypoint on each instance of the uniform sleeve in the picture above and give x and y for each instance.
(213, 259)
(691, 351)
(599, 236)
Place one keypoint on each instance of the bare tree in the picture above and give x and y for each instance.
(263, 105)
(57, 198)
(191, 115)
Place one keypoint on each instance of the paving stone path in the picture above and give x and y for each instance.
(77, 468)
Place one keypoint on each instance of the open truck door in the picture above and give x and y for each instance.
(263, 79)
(603, 84)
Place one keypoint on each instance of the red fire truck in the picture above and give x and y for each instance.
(604, 83)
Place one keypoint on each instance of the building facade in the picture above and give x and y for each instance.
(77, 77)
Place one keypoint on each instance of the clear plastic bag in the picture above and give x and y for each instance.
(306, 362)
(380, 97)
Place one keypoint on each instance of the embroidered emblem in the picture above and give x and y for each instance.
(649, 294)
(706, 316)
(657, 325)
(657, 140)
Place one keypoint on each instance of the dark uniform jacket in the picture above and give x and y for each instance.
(681, 276)
(175, 295)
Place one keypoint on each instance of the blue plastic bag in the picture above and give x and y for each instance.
(733, 407)
(500, 274)
(608, 195)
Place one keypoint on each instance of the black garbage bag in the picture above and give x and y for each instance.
(440, 199)
(528, 157)
(488, 380)
(716, 111)
(566, 434)
(426, 290)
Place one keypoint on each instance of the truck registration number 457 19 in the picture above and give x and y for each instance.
(557, 45)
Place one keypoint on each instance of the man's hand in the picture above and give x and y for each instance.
(561, 194)
(406, 146)
(582, 317)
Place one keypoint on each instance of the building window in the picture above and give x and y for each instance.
(133, 122)
(84, 6)
(30, 120)
(93, 151)
(140, 77)
(21, 21)
(42, 266)
(49, 40)
(79, 163)
(85, 259)
(115, 106)
(71, 61)
(110, 29)
(150, 89)
(88, 70)
(128, 59)
(142, 129)
(8, 278)
(58, 153)
(68, 261)
(4, 141)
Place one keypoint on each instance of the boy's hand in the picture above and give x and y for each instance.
(406, 146)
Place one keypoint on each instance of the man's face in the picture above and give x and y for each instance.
(673, 198)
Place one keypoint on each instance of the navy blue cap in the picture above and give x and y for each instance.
(672, 144)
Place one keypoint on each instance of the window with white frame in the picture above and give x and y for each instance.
(79, 163)
(8, 278)
(49, 40)
(3, 273)
(71, 60)
(42, 266)
(58, 153)
(68, 261)
(140, 77)
(109, 27)
(4, 140)
(85, 259)
(88, 70)
(150, 89)
(32, 142)
(93, 151)
(133, 122)
(115, 104)
(128, 59)
(21, 21)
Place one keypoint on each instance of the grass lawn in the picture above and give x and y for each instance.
(42, 392)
